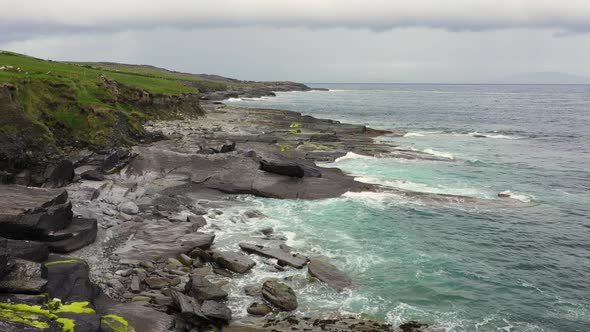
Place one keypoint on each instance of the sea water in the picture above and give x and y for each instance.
(518, 263)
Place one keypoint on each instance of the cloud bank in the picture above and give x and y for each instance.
(25, 17)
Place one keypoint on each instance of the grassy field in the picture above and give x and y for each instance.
(57, 106)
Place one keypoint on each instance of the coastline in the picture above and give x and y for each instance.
(160, 202)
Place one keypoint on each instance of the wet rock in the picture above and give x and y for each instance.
(253, 290)
(69, 280)
(92, 175)
(286, 168)
(223, 272)
(267, 231)
(24, 277)
(189, 308)
(197, 221)
(116, 284)
(129, 208)
(62, 174)
(283, 257)
(251, 214)
(259, 309)
(202, 289)
(279, 295)
(135, 284)
(329, 274)
(413, 326)
(80, 233)
(216, 311)
(174, 262)
(233, 261)
(132, 317)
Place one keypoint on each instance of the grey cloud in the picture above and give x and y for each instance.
(34, 17)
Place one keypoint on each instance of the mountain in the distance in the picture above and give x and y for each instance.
(544, 78)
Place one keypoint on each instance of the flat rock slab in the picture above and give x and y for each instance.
(161, 239)
(80, 233)
(28, 250)
(202, 289)
(294, 260)
(329, 274)
(25, 277)
(233, 261)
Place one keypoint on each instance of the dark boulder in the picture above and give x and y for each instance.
(279, 295)
(282, 256)
(25, 277)
(259, 309)
(62, 174)
(202, 289)
(69, 280)
(287, 168)
(413, 326)
(28, 213)
(226, 147)
(80, 233)
(92, 175)
(28, 250)
(216, 311)
(116, 161)
(233, 261)
(189, 309)
(329, 274)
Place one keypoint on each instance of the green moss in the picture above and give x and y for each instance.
(26, 318)
(76, 308)
(32, 314)
(295, 125)
(285, 149)
(293, 131)
(66, 261)
(116, 323)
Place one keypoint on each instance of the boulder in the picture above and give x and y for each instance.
(129, 208)
(216, 311)
(129, 317)
(62, 174)
(28, 213)
(69, 280)
(287, 168)
(189, 308)
(233, 261)
(283, 257)
(259, 309)
(227, 147)
(157, 282)
(202, 289)
(27, 250)
(279, 295)
(25, 277)
(92, 175)
(80, 233)
(116, 161)
(413, 326)
(197, 221)
(329, 274)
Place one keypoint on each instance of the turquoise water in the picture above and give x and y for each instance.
(493, 264)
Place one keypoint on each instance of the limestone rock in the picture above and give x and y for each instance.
(279, 295)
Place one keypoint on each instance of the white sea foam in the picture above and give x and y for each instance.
(424, 188)
(412, 134)
(517, 196)
(352, 155)
(442, 154)
(497, 136)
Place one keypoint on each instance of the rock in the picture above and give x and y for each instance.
(69, 280)
(174, 262)
(129, 208)
(197, 221)
(141, 298)
(185, 260)
(116, 284)
(27, 250)
(189, 308)
(216, 311)
(128, 317)
(251, 214)
(267, 231)
(87, 321)
(226, 147)
(201, 254)
(233, 261)
(147, 264)
(135, 284)
(259, 309)
(157, 282)
(92, 175)
(62, 174)
(80, 233)
(32, 213)
(279, 295)
(161, 239)
(413, 326)
(286, 168)
(24, 277)
(202, 289)
(294, 260)
(329, 274)
(223, 272)
(253, 290)
(116, 160)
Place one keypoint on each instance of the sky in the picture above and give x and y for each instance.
(311, 40)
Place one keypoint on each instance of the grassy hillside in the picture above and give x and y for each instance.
(48, 107)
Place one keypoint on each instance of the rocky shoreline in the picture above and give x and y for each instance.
(131, 240)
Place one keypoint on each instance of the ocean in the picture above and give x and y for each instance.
(517, 263)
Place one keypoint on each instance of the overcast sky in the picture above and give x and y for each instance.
(311, 40)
